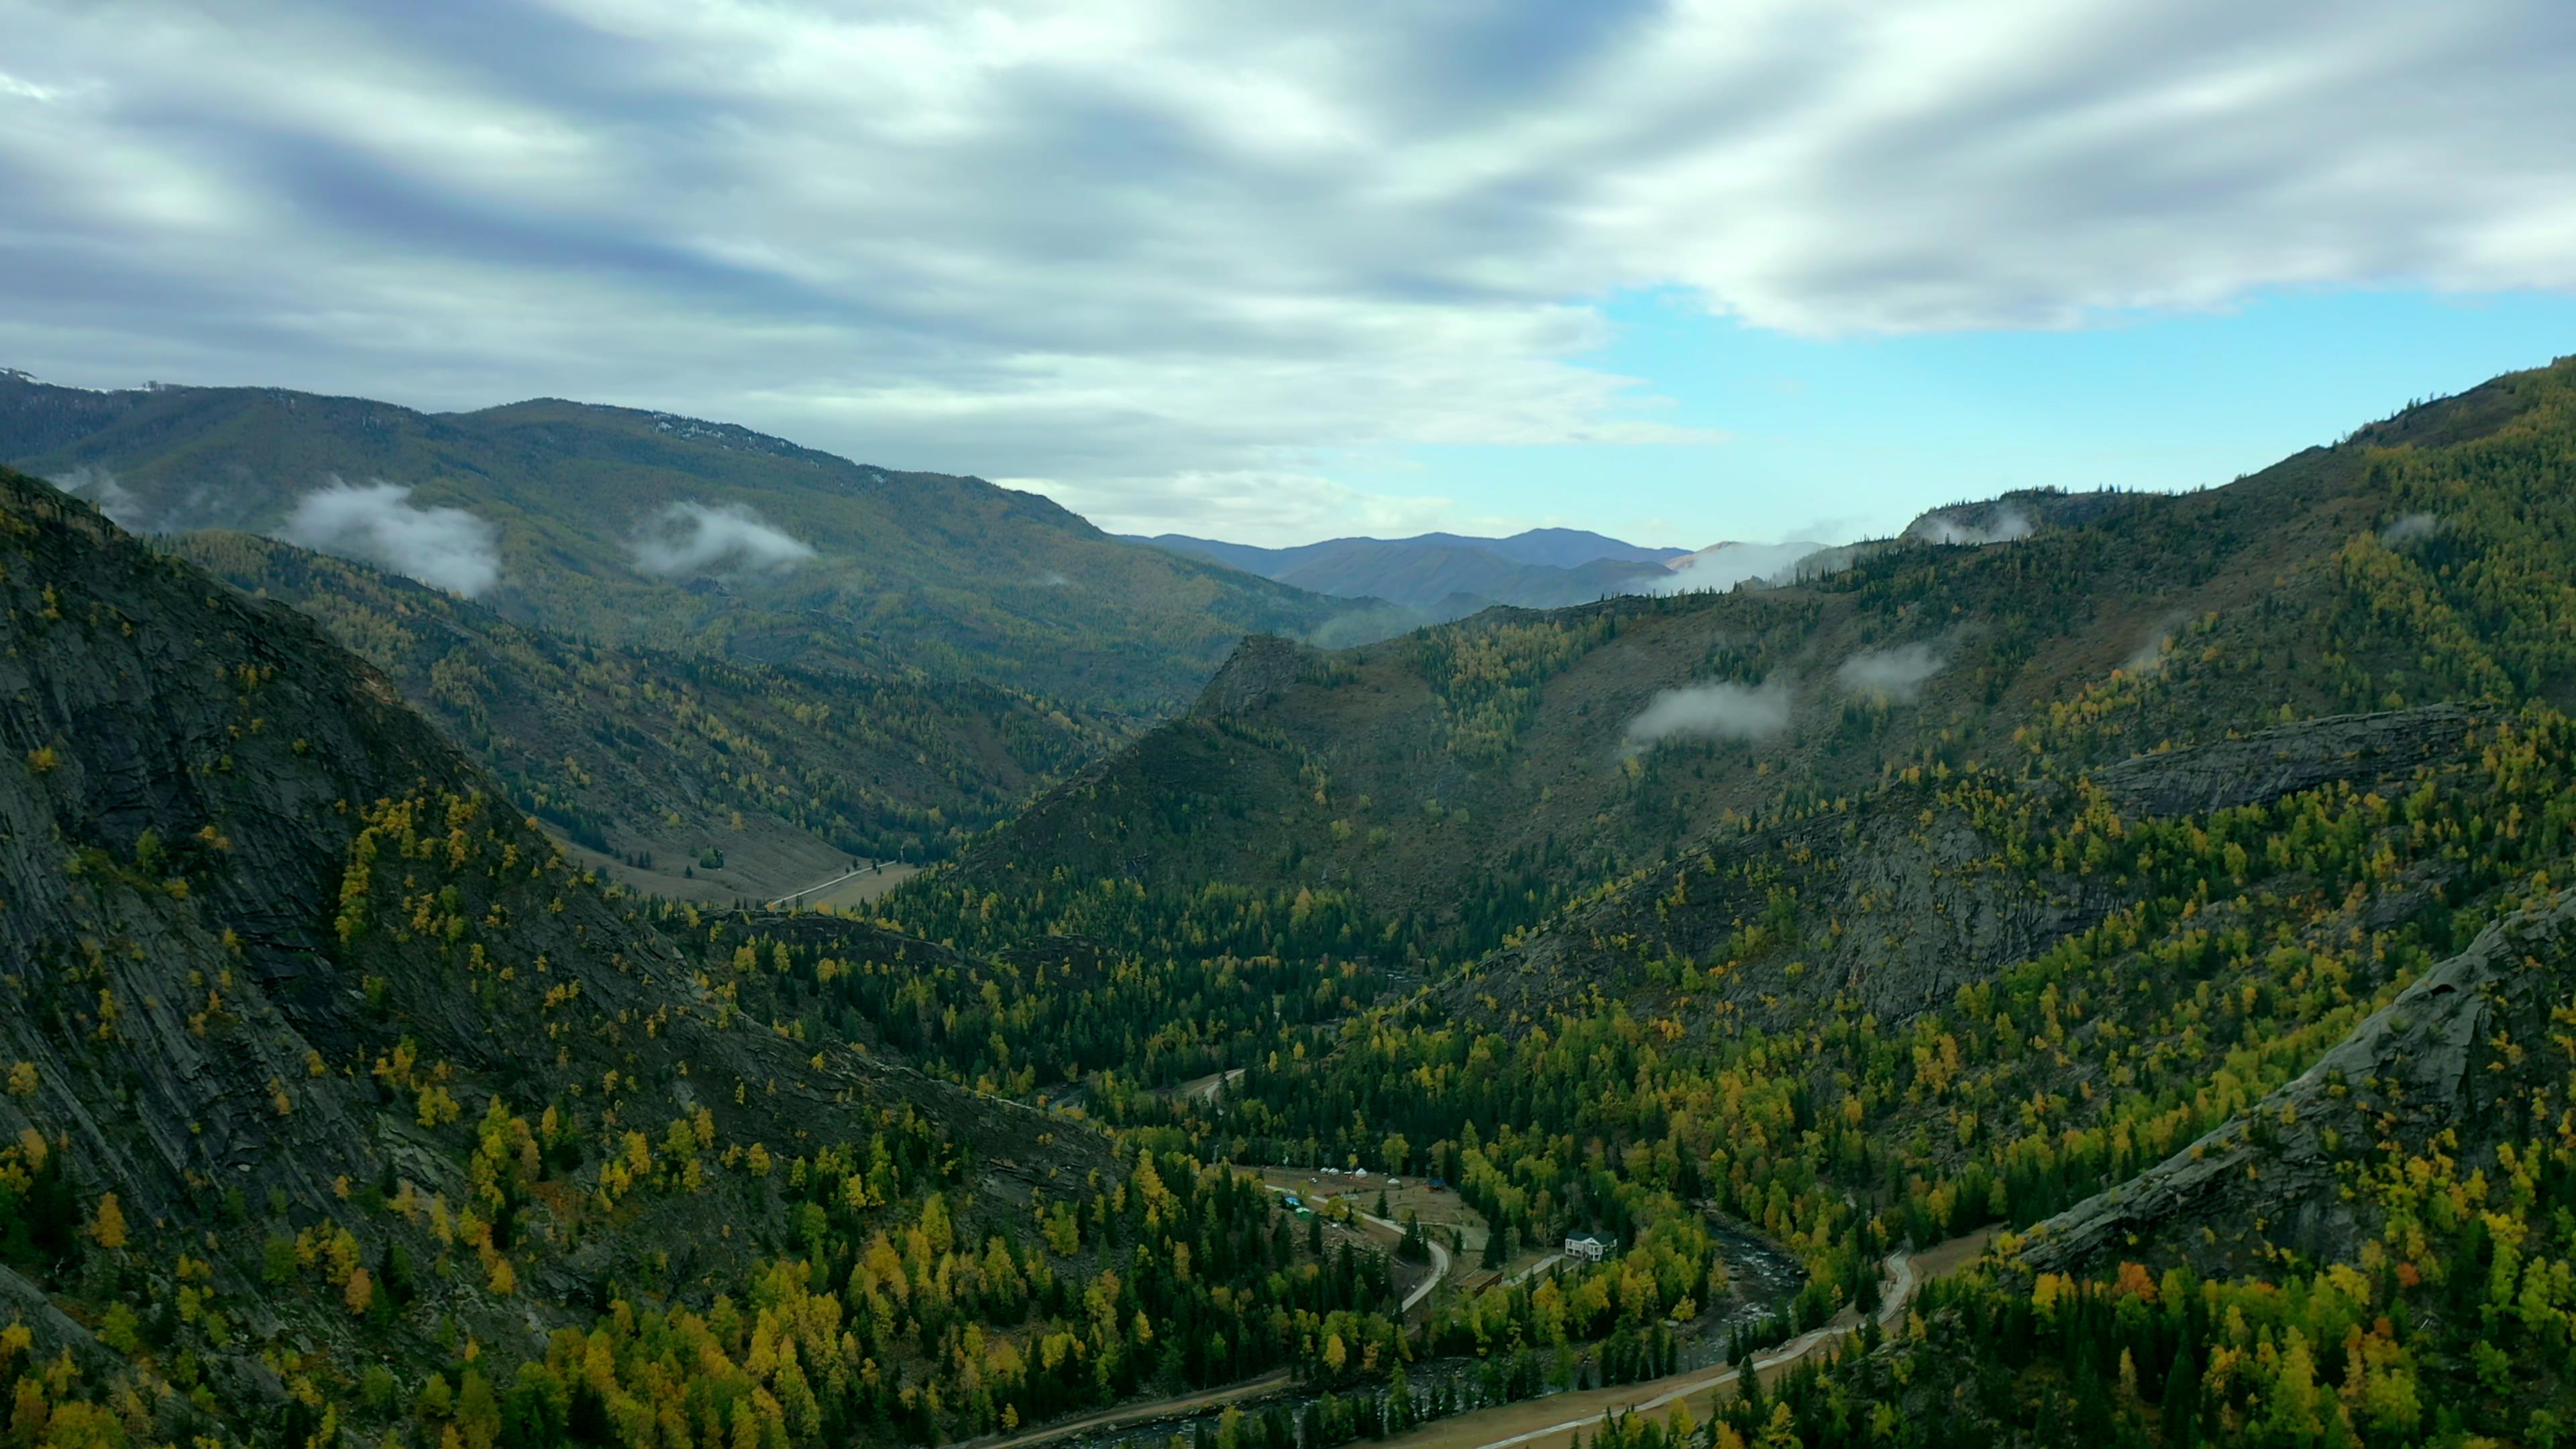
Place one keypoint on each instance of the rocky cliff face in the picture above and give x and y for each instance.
(2450, 1054)
(2368, 751)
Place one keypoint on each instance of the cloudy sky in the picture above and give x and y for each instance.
(1679, 271)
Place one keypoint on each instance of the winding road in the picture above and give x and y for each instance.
(821, 885)
(1582, 1410)
(1569, 1412)
(1132, 1414)
(1439, 1260)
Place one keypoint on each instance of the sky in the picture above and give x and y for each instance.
(1681, 272)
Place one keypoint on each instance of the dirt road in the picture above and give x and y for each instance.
(1439, 1255)
(1551, 1421)
(1217, 1397)
(1439, 1261)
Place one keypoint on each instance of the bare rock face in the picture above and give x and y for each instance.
(2366, 750)
(2437, 1058)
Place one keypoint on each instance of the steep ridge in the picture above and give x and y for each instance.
(1895, 902)
(905, 570)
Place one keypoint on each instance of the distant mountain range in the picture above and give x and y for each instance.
(1449, 575)
(645, 529)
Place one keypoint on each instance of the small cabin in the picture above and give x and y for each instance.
(1590, 1247)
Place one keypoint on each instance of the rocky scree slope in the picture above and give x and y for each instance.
(1896, 901)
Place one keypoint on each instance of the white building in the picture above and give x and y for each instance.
(1591, 1247)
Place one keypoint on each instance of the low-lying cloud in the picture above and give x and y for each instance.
(445, 548)
(2150, 654)
(2412, 528)
(690, 538)
(1715, 570)
(1946, 527)
(1899, 673)
(1711, 711)
(98, 487)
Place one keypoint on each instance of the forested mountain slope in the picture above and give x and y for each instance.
(1461, 780)
(2197, 923)
(752, 779)
(339, 1103)
(638, 528)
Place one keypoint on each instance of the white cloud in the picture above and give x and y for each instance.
(103, 492)
(690, 538)
(1142, 248)
(1716, 711)
(1950, 526)
(17, 89)
(1898, 673)
(2411, 528)
(446, 548)
(1256, 506)
(1720, 567)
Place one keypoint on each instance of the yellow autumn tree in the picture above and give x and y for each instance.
(108, 1228)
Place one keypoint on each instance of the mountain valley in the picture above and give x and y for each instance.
(2158, 900)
